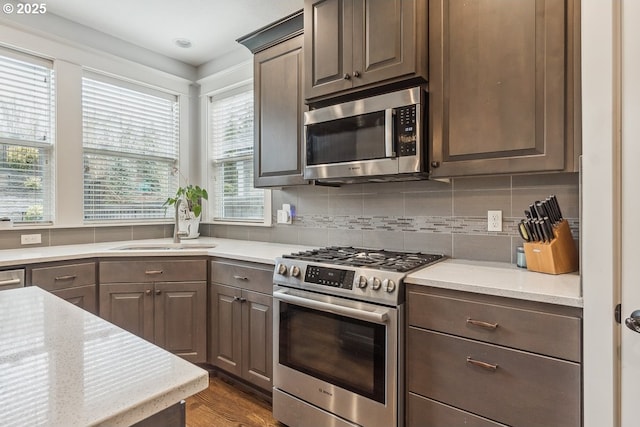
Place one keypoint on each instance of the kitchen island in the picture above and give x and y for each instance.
(62, 366)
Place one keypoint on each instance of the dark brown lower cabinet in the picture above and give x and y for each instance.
(172, 315)
(427, 412)
(82, 296)
(241, 333)
(74, 282)
(468, 365)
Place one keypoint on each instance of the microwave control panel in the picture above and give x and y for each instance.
(406, 130)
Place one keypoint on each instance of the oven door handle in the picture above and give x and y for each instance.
(378, 316)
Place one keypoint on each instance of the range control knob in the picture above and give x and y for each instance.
(389, 285)
(362, 282)
(282, 269)
(295, 271)
(375, 283)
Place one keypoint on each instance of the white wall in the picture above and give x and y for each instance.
(600, 216)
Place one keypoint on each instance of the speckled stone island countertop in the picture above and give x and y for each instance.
(63, 366)
(499, 279)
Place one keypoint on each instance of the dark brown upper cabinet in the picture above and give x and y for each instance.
(278, 102)
(356, 44)
(504, 86)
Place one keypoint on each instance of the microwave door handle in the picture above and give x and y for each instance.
(388, 133)
(367, 316)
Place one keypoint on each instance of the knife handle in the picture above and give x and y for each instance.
(522, 228)
(557, 206)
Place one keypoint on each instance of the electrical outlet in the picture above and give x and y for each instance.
(30, 239)
(494, 220)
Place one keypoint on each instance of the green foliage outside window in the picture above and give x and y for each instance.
(22, 157)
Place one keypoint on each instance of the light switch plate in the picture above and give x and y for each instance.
(30, 239)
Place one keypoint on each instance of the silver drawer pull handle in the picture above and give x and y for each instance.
(10, 282)
(240, 277)
(153, 272)
(483, 365)
(69, 277)
(482, 324)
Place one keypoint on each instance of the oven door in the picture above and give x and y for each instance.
(339, 357)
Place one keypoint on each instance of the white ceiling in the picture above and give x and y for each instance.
(212, 26)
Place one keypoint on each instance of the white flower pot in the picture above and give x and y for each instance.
(188, 223)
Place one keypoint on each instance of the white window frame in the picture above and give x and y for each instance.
(266, 220)
(48, 145)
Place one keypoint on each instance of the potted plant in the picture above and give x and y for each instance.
(188, 202)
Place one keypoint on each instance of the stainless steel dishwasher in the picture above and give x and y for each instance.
(11, 279)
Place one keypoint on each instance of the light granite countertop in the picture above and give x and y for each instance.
(500, 279)
(261, 252)
(63, 366)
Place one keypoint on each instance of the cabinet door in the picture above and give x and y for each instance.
(384, 39)
(526, 389)
(497, 86)
(82, 296)
(328, 46)
(257, 329)
(225, 329)
(181, 319)
(279, 108)
(130, 306)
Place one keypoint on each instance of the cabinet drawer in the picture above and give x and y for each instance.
(82, 296)
(153, 271)
(254, 277)
(526, 329)
(427, 412)
(64, 276)
(523, 390)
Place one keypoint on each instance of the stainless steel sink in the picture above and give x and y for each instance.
(165, 247)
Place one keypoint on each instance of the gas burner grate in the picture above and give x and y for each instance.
(370, 258)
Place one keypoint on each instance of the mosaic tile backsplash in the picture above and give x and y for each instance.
(429, 216)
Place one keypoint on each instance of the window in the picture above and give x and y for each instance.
(231, 146)
(27, 123)
(131, 140)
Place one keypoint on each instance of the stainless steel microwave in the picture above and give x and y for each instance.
(380, 138)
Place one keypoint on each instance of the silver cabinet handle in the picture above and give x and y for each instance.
(69, 277)
(239, 299)
(153, 272)
(483, 365)
(482, 324)
(240, 277)
(10, 282)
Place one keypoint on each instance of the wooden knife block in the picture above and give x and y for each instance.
(555, 257)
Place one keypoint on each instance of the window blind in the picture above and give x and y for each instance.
(231, 146)
(27, 123)
(130, 140)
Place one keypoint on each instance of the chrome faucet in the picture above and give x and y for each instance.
(177, 234)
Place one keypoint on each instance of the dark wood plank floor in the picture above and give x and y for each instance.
(223, 405)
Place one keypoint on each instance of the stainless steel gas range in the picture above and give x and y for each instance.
(338, 336)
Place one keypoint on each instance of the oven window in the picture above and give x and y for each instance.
(345, 140)
(345, 352)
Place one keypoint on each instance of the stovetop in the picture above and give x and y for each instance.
(401, 262)
(371, 275)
